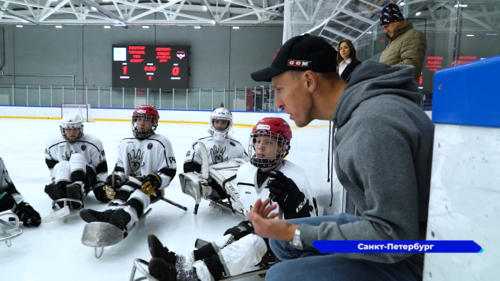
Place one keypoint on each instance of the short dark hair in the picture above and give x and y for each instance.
(352, 51)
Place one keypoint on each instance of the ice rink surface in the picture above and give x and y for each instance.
(54, 251)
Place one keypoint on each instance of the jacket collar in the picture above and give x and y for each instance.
(400, 30)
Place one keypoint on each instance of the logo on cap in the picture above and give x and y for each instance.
(299, 63)
(263, 127)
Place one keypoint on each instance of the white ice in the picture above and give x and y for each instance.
(54, 250)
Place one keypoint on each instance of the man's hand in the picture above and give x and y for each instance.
(266, 226)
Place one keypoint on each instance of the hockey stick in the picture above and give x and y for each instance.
(204, 159)
(173, 203)
(204, 171)
(68, 151)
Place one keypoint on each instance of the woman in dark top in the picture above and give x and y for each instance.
(346, 59)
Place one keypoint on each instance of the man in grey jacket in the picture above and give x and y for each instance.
(382, 148)
(407, 45)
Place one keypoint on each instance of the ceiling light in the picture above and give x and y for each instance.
(197, 27)
(470, 35)
(19, 25)
(145, 26)
(213, 22)
(93, 8)
(236, 27)
(369, 32)
(491, 34)
(402, 4)
(205, 8)
(58, 26)
(418, 14)
(24, 21)
(107, 26)
(461, 5)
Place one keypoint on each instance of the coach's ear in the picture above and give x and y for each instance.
(310, 80)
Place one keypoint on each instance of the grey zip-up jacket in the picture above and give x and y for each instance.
(383, 154)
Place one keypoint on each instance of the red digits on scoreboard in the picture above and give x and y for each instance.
(150, 68)
(175, 70)
(125, 70)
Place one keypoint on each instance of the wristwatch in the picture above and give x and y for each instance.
(296, 240)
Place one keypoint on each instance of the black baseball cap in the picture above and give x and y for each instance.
(303, 52)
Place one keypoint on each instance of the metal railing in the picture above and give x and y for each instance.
(235, 99)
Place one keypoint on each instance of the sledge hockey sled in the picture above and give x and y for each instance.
(100, 234)
(197, 185)
(9, 228)
(64, 212)
(142, 266)
(139, 264)
(263, 266)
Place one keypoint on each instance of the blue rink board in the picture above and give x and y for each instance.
(468, 94)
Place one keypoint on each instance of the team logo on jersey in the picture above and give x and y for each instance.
(134, 161)
(150, 145)
(67, 155)
(84, 147)
(217, 154)
(232, 143)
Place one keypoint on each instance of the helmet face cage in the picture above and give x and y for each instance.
(262, 144)
(151, 115)
(220, 114)
(71, 121)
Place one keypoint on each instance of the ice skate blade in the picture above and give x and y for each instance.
(57, 214)
(101, 234)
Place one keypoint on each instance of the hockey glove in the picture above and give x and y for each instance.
(28, 215)
(113, 182)
(241, 230)
(288, 196)
(151, 184)
(101, 193)
(6, 201)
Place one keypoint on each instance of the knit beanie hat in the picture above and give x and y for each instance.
(390, 13)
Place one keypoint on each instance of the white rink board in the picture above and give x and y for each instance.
(465, 202)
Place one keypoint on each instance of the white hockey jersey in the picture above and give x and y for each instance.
(151, 155)
(218, 151)
(89, 146)
(7, 185)
(249, 191)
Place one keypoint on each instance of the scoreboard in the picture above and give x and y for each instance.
(143, 66)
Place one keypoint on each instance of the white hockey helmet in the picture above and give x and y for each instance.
(71, 121)
(221, 113)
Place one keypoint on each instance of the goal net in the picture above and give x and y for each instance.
(77, 108)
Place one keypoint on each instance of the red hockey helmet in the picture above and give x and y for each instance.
(148, 112)
(273, 127)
